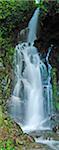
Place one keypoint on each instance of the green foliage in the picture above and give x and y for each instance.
(54, 83)
(7, 145)
(46, 6)
(5, 81)
(8, 132)
(42, 5)
(13, 13)
(1, 116)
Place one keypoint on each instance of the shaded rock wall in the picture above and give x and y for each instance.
(48, 33)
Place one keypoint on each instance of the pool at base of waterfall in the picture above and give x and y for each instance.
(48, 139)
(45, 137)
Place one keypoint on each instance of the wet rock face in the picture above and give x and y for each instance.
(54, 60)
(48, 33)
(23, 34)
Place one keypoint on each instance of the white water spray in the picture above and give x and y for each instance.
(33, 27)
(49, 85)
(28, 104)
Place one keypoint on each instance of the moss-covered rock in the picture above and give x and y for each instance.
(54, 87)
(12, 136)
(14, 15)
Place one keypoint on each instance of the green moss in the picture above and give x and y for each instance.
(13, 14)
(57, 105)
(11, 135)
(5, 84)
(1, 116)
(8, 132)
(54, 83)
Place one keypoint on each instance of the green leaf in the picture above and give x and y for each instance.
(1, 116)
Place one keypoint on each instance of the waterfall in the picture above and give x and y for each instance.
(30, 103)
(33, 27)
(37, 1)
(49, 85)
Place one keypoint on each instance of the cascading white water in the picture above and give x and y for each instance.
(34, 109)
(33, 27)
(27, 104)
(37, 1)
(49, 85)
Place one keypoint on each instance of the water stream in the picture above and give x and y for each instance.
(31, 104)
